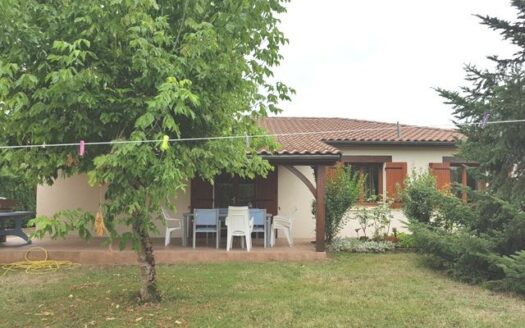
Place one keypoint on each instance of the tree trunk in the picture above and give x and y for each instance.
(148, 275)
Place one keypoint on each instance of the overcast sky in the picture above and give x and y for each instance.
(379, 60)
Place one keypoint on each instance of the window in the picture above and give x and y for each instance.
(234, 191)
(381, 175)
(456, 176)
(459, 173)
(456, 171)
(373, 179)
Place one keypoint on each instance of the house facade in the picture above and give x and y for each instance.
(385, 153)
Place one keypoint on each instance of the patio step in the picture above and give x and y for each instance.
(95, 253)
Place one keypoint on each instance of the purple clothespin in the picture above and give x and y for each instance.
(485, 120)
(82, 148)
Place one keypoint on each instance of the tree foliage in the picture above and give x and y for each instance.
(487, 238)
(499, 92)
(417, 196)
(18, 189)
(136, 70)
(342, 191)
(471, 241)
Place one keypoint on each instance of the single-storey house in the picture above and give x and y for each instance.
(385, 152)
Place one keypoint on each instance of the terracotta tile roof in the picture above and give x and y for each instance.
(318, 135)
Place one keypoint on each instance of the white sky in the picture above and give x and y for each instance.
(379, 59)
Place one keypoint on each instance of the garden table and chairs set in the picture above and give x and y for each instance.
(237, 221)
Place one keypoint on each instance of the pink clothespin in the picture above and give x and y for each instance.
(82, 148)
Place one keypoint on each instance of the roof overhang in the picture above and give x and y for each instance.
(342, 143)
(453, 160)
(302, 159)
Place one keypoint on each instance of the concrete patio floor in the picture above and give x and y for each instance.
(96, 252)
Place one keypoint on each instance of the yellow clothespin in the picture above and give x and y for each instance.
(165, 145)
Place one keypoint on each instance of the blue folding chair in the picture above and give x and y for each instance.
(259, 222)
(206, 221)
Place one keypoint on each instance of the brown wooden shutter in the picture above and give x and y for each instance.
(266, 192)
(396, 173)
(331, 171)
(201, 194)
(441, 171)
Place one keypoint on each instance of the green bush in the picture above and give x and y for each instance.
(424, 203)
(471, 241)
(406, 240)
(514, 268)
(499, 220)
(342, 192)
(354, 245)
(418, 196)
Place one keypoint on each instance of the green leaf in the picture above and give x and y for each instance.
(145, 120)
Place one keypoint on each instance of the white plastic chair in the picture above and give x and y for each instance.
(285, 225)
(172, 224)
(239, 224)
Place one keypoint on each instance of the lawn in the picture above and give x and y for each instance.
(353, 290)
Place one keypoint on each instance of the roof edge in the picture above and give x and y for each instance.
(390, 143)
(401, 125)
(305, 159)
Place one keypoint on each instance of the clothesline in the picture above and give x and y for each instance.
(399, 128)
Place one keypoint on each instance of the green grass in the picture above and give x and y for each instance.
(351, 290)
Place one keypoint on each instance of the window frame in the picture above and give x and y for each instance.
(379, 162)
(456, 162)
(464, 179)
(235, 181)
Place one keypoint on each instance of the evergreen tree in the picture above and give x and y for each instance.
(496, 94)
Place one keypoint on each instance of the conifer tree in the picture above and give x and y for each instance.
(496, 94)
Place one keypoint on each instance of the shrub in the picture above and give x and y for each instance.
(462, 255)
(418, 197)
(354, 245)
(470, 241)
(514, 268)
(499, 220)
(342, 191)
(405, 240)
(364, 218)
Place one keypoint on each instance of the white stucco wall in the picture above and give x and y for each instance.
(416, 157)
(292, 192)
(75, 192)
(68, 193)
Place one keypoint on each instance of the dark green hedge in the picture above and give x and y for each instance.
(482, 241)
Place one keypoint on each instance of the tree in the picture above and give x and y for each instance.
(343, 187)
(500, 94)
(136, 70)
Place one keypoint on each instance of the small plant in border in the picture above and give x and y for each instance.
(379, 217)
(354, 245)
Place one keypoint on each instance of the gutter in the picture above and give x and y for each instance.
(302, 159)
